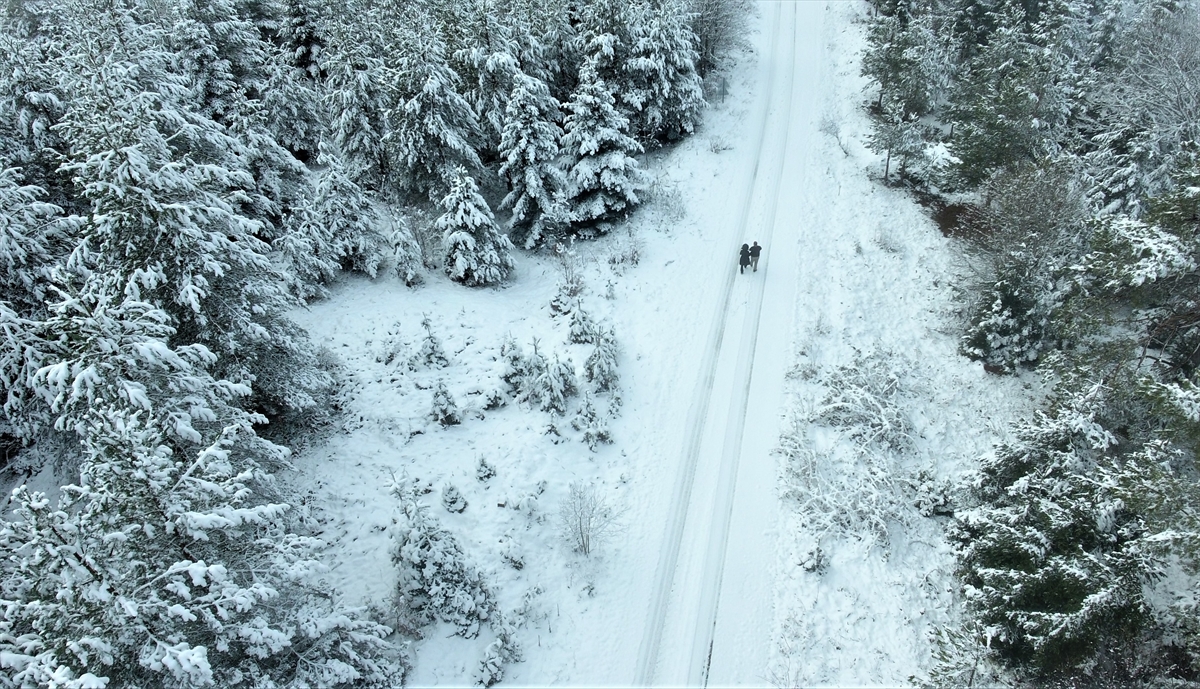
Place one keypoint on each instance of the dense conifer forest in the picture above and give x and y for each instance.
(175, 177)
(1058, 140)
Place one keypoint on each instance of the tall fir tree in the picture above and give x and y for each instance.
(529, 153)
(605, 178)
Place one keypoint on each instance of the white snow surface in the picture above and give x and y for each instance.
(704, 581)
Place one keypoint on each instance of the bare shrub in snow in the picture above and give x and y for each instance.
(668, 199)
(861, 489)
(436, 580)
(829, 126)
(586, 518)
(570, 282)
(720, 27)
(859, 496)
(626, 252)
(718, 144)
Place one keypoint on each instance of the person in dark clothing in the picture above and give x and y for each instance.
(754, 253)
(743, 258)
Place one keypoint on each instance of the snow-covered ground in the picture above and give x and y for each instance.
(706, 577)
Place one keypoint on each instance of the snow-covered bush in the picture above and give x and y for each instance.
(445, 409)
(431, 354)
(474, 251)
(553, 387)
(582, 328)
(484, 471)
(503, 650)
(593, 424)
(452, 499)
(436, 579)
(601, 365)
(586, 518)
(864, 398)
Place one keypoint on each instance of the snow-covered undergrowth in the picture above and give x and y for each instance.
(468, 410)
(883, 417)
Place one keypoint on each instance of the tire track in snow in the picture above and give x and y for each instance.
(648, 654)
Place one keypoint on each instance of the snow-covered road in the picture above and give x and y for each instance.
(710, 618)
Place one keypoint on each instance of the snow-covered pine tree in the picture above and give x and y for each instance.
(432, 354)
(453, 500)
(503, 650)
(605, 178)
(592, 423)
(601, 365)
(348, 215)
(664, 95)
(301, 251)
(173, 229)
(583, 329)
(529, 151)
(355, 96)
(437, 581)
(294, 97)
(167, 564)
(227, 64)
(1014, 103)
(31, 103)
(293, 106)
(556, 385)
(407, 260)
(445, 409)
(486, 57)
(433, 128)
(516, 368)
(474, 251)
(1053, 563)
(30, 231)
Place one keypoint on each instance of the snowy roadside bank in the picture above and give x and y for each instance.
(883, 414)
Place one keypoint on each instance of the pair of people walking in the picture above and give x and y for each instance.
(749, 257)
